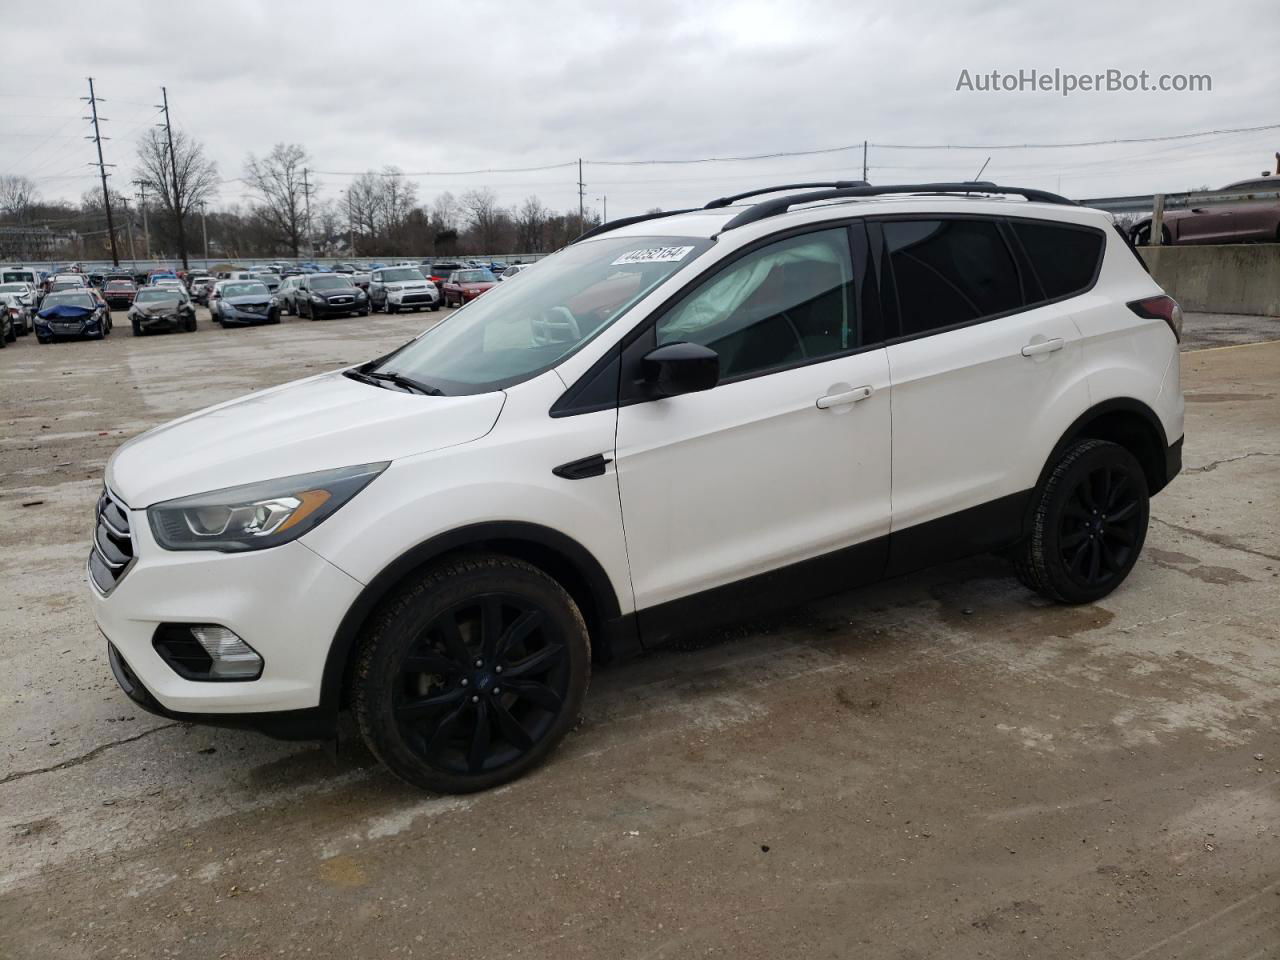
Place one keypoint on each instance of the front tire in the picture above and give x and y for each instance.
(470, 676)
(1089, 524)
(137, 328)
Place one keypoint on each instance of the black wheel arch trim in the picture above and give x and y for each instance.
(1166, 459)
(614, 636)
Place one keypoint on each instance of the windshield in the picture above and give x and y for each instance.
(473, 276)
(66, 285)
(22, 276)
(68, 300)
(402, 274)
(266, 277)
(119, 285)
(151, 296)
(518, 330)
(245, 290)
(329, 283)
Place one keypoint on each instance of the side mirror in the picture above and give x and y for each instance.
(677, 368)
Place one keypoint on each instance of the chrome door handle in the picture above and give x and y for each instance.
(840, 399)
(1044, 346)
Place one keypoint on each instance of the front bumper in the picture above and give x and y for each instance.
(55, 329)
(232, 315)
(286, 602)
(413, 299)
(328, 309)
(175, 321)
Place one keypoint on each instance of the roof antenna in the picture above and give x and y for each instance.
(980, 169)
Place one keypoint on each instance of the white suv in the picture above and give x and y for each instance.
(677, 419)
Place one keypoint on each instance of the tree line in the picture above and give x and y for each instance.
(285, 212)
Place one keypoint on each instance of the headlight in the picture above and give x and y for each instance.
(275, 302)
(360, 294)
(257, 515)
(315, 299)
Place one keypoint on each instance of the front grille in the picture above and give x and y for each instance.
(341, 301)
(253, 307)
(416, 298)
(112, 553)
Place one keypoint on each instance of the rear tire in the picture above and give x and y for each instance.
(392, 308)
(1089, 524)
(440, 721)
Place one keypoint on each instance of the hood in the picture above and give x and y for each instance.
(158, 308)
(245, 299)
(65, 311)
(315, 424)
(476, 284)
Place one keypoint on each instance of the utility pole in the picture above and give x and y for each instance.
(128, 219)
(204, 227)
(173, 169)
(146, 229)
(351, 224)
(581, 208)
(306, 196)
(864, 159)
(102, 169)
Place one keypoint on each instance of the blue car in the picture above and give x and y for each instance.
(72, 313)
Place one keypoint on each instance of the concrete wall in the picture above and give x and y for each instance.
(1234, 278)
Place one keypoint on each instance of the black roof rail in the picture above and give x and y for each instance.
(838, 184)
(626, 221)
(771, 208)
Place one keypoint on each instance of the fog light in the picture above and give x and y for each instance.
(232, 657)
(206, 651)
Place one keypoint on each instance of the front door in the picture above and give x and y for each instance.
(786, 460)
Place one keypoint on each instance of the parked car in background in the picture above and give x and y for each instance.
(17, 313)
(70, 313)
(27, 293)
(201, 287)
(463, 286)
(287, 294)
(440, 271)
(513, 271)
(1224, 221)
(402, 288)
(20, 274)
(162, 308)
(270, 279)
(119, 294)
(7, 333)
(56, 284)
(323, 295)
(243, 302)
(360, 276)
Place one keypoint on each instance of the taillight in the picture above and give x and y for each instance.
(1160, 308)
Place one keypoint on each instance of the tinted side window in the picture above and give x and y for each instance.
(950, 271)
(1064, 258)
(785, 303)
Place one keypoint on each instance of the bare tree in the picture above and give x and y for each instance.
(196, 175)
(445, 213)
(530, 219)
(17, 196)
(363, 199)
(398, 198)
(278, 180)
(482, 210)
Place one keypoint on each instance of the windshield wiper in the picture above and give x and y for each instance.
(381, 379)
(400, 380)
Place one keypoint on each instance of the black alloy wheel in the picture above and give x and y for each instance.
(473, 674)
(1089, 525)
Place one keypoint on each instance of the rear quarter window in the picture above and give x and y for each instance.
(1065, 257)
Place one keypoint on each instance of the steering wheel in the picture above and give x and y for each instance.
(555, 325)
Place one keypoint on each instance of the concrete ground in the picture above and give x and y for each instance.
(942, 765)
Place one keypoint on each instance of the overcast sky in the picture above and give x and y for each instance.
(460, 86)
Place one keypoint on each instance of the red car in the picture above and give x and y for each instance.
(119, 294)
(1231, 221)
(465, 285)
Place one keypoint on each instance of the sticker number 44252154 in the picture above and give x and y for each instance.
(653, 255)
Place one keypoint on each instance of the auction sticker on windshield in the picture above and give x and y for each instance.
(653, 255)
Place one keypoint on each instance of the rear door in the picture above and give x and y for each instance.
(786, 460)
(987, 374)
